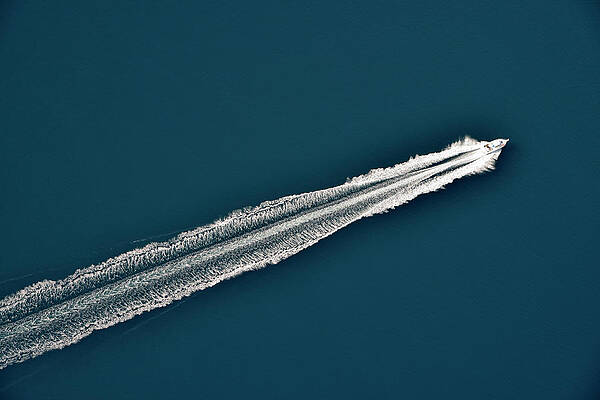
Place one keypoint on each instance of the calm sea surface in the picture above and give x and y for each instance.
(124, 121)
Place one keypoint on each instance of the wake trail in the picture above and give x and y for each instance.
(53, 314)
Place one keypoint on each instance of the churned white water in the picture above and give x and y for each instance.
(54, 314)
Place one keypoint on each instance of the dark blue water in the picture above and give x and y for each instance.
(124, 120)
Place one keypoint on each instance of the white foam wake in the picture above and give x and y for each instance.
(53, 314)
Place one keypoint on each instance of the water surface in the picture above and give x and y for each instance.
(121, 122)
